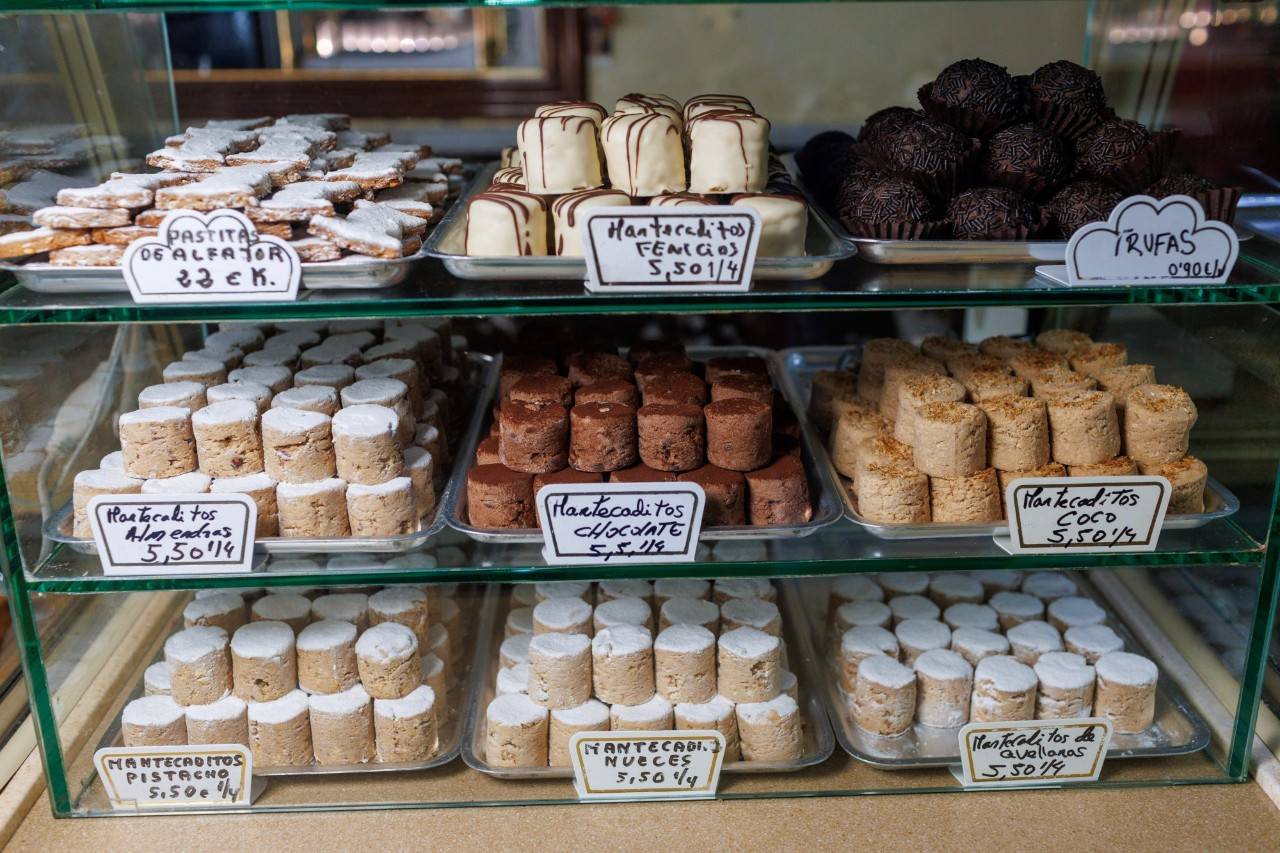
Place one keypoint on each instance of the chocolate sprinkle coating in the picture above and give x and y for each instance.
(1077, 204)
(1023, 156)
(981, 91)
(1106, 152)
(886, 198)
(927, 147)
(1066, 84)
(1187, 184)
(824, 147)
(883, 126)
(991, 213)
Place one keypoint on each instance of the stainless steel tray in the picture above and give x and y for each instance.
(823, 247)
(796, 367)
(818, 739)
(823, 487)
(353, 272)
(1177, 729)
(449, 736)
(57, 527)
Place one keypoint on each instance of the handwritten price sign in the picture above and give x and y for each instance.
(1002, 755)
(1095, 514)
(649, 765)
(663, 250)
(138, 777)
(621, 522)
(211, 257)
(174, 534)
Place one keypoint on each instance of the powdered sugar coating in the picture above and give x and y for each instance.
(365, 421)
(1127, 668)
(282, 607)
(349, 701)
(242, 484)
(705, 713)
(513, 679)
(885, 671)
(966, 615)
(869, 639)
(562, 589)
(864, 613)
(270, 375)
(751, 612)
(1007, 674)
(622, 639)
(251, 392)
(1095, 639)
(1074, 610)
(152, 711)
(923, 634)
(1037, 635)
(559, 646)
(390, 487)
(387, 641)
(943, 664)
(743, 587)
(191, 644)
(517, 648)
(193, 483)
(559, 613)
(325, 635)
(1063, 671)
(212, 605)
(417, 703)
(689, 611)
(515, 709)
(229, 707)
(781, 706)
(681, 588)
(657, 709)
(749, 643)
(592, 713)
(155, 415)
(288, 707)
(226, 412)
(684, 639)
(262, 640)
(1018, 604)
(168, 393)
(373, 392)
(904, 607)
(113, 461)
(397, 600)
(624, 588)
(622, 611)
(904, 583)
(292, 421)
(348, 606)
(857, 588)
(156, 678)
(979, 642)
(295, 491)
(1048, 585)
(520, 620)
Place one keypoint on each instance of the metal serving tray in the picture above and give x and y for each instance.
(1177, 730)
(823, 487)
(57, 528)
(448, 746)
(818, 740)
(823, 247)
(796, 367)
(353, 272)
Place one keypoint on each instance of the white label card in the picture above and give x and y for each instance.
(692, 249)
(1002, 755)
(139, 777)
(650, 765)
(1086, 514)
(606, 523)
(1153, 241)
(211, 257)
(174, 534)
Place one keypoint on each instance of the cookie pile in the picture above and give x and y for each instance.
(330, 436)
(348, 677)
(309, 179)
(627, 655)
(653, 416)
(991, 156)
(987, 646)
(937, 432)
(572, 156)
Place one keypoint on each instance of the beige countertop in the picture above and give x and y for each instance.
(1199, 817)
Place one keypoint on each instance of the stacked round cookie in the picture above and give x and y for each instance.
(936, 432)
(572, 156)
(308, 179)
(333, 429)
(652, 417)
(345, 677)
(990, 646)
(638, 655)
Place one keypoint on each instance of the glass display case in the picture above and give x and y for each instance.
(822, 545)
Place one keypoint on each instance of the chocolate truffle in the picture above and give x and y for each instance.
(726, 494)
(992, 213)
(1219, 203)
(542, 390)
(532, 438)
(1066, 98)
(1180, 185)
(608, 391)
(974, 95)
(1123, 153)
(602, 436)
(671, 437)
(1026, 158)
(934, 154)
(778, 493)
(674, 389)
(641, 473)
(888, 207)
(1081, 202)
(498, 497)
(739, 434)
(818, 158)
(752, 387)
(883, 126)
(586, 368)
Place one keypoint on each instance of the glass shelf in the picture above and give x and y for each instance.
(850, 285)
(837, 549)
